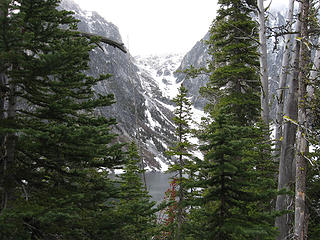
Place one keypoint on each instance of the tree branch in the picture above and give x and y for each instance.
(105, 40)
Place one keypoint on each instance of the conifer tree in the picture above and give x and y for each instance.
(135, 210)
(313, 196)
(181, 153)
(313, 180)
(239, 185)
(54, 148)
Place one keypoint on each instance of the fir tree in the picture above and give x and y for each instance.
(181, 153)
(135, 210)
(238, 172)
(239, 186)
(54, 148)
(313, 179)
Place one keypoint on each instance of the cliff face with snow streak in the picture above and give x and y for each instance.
(144, 86)
(198, 57)
(142, 111)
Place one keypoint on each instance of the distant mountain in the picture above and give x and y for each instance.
(141, 108)
(145, 85)
(198, 57)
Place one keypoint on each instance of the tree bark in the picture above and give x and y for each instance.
(3, 160)
(2, 83)
(8, 101)
(314, 72)
(181, 190)
(2, 143)
(181, 201)
(300, 227)
(263, 64)
(283, 80)
(287, 154)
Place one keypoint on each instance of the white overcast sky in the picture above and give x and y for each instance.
(158, 26)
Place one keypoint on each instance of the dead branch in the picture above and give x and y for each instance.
(105, 40)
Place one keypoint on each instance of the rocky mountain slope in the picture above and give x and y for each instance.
(144, 86)
(198, 57)
(143, 108)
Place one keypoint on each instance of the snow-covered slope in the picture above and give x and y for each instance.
(160, 87)
(163, 86)
(162, 70)
(144, 86)
(142, 111)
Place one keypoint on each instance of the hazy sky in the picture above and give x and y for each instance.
(158, 26)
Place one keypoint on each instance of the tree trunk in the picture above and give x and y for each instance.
(283, 80)
(181, 201)
(3, 160)
(263, 65)
(2, 142)
(287, 154)
(2, 84)
(181, 190)
(314, 72)
(302, 145)
(8, 100)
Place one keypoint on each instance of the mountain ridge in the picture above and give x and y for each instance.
(143, 114)
(144, 86)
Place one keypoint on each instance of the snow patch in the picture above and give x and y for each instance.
(153, 123)
(164, 166)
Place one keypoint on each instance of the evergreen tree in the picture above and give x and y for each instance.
(313, 172)
(313, 198)
(237, 168)
(54, 149)
(239, 185)
(167, 216)
(135, 210)
(181, 153)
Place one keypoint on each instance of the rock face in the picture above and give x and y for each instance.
(142, 110)
(198, 57)
(144, 86)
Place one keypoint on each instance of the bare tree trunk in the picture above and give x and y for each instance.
(8, 101)
(283, 80)
(263, 64)
(8, 145)
(2, 83)
(314, 71)
(3, 163)
(287, 154)
(300, 227)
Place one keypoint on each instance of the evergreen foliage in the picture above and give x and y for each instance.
(313, 199)
(167, 219)
(239, 186)
(237, 173)
(234, 49)
(313, 179)
(55, 151)
(54, 148)
(181, 153)
(136, 211)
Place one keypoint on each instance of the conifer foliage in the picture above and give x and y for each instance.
(238, 185)
(136, 211)
(181, 154)
(53, 147)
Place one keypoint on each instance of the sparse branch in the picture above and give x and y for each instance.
(248, 37)
(105, 40)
